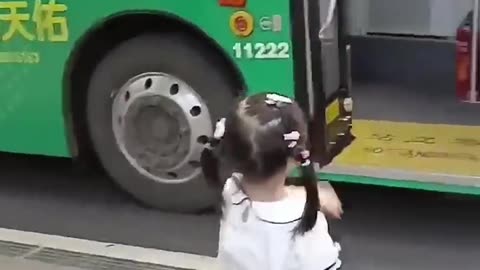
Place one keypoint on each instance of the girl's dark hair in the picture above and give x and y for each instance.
(254, 145)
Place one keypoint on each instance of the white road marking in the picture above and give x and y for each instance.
(118, 251)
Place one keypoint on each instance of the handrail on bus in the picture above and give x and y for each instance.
(329, 20)
(474, 60)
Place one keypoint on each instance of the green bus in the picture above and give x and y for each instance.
(137, 85)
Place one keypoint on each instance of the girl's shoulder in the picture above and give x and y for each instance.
(231, 189)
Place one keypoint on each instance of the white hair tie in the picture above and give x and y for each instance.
(306, 158)
(219, 129)
(292, 137)
(274, 99)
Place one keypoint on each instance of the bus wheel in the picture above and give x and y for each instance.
(151, 106)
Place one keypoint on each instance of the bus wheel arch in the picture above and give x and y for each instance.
(97, 44)
(89, 49)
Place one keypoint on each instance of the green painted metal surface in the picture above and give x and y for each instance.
(33, 59)
(31, 85)
(403, 183)
(407, 183)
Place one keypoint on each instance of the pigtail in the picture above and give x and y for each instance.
(300, 154)
(312, 204)
(208, 159)
(210, 167)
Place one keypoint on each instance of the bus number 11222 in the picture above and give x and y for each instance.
(268, 50)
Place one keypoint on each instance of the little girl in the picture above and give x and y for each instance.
(267, 225)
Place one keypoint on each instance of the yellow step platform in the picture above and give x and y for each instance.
(419, 148)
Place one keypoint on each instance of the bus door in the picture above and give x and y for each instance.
(330, 69)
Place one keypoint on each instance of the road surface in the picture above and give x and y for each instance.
(383, 229)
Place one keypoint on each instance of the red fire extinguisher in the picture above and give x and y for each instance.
(463, 58)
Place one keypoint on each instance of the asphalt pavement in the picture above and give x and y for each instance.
(382, 229)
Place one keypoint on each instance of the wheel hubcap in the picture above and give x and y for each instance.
(160, 123)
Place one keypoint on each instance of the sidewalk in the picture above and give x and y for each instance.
(20, 250)
(22, 264)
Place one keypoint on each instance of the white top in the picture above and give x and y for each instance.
(258, 235)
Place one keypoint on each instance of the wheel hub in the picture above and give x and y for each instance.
(157, 122)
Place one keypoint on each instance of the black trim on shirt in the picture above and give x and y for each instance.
(241, 201)
(278, 223)
(333, 265)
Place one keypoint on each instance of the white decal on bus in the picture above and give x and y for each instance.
(269, 50)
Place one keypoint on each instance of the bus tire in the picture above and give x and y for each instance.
(143, 98)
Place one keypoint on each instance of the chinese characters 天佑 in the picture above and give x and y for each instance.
(46, 21)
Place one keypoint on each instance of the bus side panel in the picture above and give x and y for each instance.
(33, 59)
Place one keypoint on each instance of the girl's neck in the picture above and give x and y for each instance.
(268, 190)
